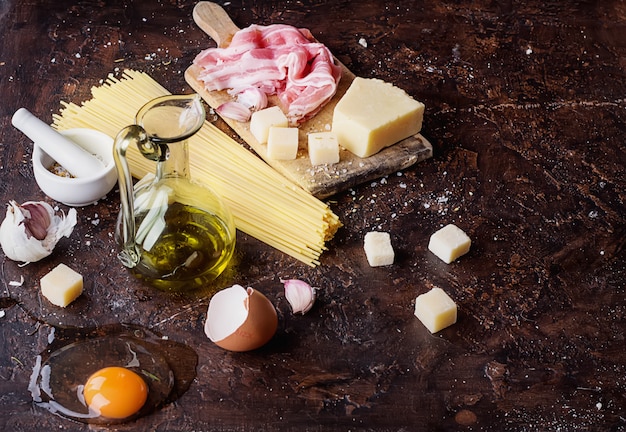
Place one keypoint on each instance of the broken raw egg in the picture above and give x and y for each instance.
(110, 375)
(240, 319)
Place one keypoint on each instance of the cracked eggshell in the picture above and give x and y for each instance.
(240, 319)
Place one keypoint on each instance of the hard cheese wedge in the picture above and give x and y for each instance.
(378, 248)
(263, 120)
(282, 143)
(435, 309)
(62, 285)
(323, 148)
(449, 243)
(374, 114)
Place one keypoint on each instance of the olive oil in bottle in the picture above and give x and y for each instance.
(194, 247)
(174, 234)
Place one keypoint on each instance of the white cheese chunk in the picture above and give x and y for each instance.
(282, 143)
(378, 249)
(62, 285)
(374, 114)
(449, 243)
(323, 148)
(436, 310)
(261, 122)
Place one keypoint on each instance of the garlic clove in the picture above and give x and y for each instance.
(29, 232)
(253, 97)
(37, 220)
(300, 295)
(235, 111)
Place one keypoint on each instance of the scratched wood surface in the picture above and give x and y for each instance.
(526, 113)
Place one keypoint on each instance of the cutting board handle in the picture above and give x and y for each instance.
(215, 22)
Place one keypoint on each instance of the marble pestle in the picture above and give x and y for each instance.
(76, 160)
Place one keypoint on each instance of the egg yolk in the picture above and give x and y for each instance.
(115, 392)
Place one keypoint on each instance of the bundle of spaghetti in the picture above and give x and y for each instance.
(264, 204)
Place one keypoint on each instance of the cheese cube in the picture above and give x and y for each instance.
(378, 249)
(374, 114)
(61, 285)
(436, 310)
(449, 243)
(282, 143)
(323, 148)
(261, 122)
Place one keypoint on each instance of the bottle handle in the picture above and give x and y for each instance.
(134, 134)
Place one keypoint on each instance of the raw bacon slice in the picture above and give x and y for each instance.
(277, 59)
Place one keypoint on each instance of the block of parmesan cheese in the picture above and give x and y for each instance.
(374, 114)
(436, 310)
(62, 285)
(282, 143)
(323, 148)
(378, 249)
(262, 120)
(449, 243)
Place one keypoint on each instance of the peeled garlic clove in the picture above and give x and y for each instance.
(30, 231)
(299, 294)
(240, 319)
(253, 98)
(234, 111)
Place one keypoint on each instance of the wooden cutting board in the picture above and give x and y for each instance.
(322, 181)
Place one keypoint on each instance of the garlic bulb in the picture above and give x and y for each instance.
(299, 294)
(30, 231)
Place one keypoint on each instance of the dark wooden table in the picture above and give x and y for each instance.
(526, 110)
